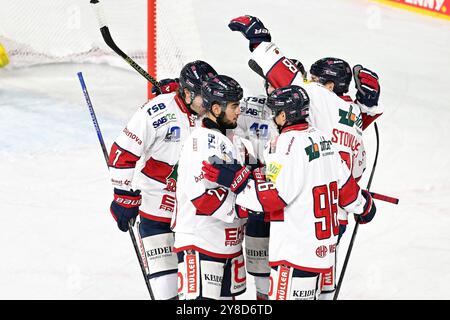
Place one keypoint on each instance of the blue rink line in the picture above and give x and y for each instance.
(31, 123)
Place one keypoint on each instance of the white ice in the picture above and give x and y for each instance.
(58, 239)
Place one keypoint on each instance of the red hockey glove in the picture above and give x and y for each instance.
(366, 82)
(252, 28)
(233, 176)
(369, 209)
(125, 207)
(166, 86)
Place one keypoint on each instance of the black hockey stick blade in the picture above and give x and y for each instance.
(110, 42)
(256, 68)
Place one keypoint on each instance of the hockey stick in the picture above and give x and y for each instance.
(355, 230)
(94, 118)
(105, 154)
(382, 197)
(98, 9)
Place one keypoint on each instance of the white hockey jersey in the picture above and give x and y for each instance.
(144, 154)
(256, 124)
(339, 119)
(306, 182)
(205, 218)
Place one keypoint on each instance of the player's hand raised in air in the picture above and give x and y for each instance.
(252, 28)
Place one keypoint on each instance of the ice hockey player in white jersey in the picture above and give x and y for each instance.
(209, 229)
(256, 124)
(141, 160)
(303, 183)
(339, 119)
(335, 74)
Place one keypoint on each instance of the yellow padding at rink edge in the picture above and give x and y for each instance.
(424, 11)
(4, 60)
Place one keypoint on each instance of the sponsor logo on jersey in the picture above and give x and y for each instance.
(313, 150)
(257, 253)
(163, 251)
(173, 134)
(347, 117)
(200, 177)
(321, 251)
(290, 146)
(283, 282)
(251, 111)
(164, 119)
(327, 279)
(194, 144)
(345, 139)
(191, 119)
(167, 203)
(191, 266)
(234, 236)
(211, 141)
(132, 136)
(238, 274)
(359, 123)
(213, 278)
(255, 100)
(156, 108)
(273, 170)
(304, 294)
(120, 182)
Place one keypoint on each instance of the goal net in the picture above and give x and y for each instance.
(160, 35)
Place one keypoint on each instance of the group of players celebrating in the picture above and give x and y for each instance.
(212, 174)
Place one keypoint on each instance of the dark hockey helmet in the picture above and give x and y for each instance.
(193, 74)
(335, 70)
(293, 100)
(220, 89)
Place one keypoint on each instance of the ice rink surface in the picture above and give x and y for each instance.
(58, 239)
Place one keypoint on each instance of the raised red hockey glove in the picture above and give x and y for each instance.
(167, 86)
(125, 207)
(233, 176)
(252, 28)
(369, 209)
(366, 82)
